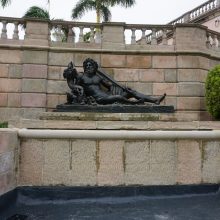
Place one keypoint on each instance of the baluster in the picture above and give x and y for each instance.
(208, 7)
(153, 39)
(148, 39)
(174, 37)
(81, 34)
(197, 13)
(143, 36)
(186, 18)
(133, 36)
(98, 35)
(92, 35)
(202, 10)
(59, 33)
(71, 35)
(218, 40)
(208, 41)
(4, 30)
(15, 34)
(215, 41)
(164, 37)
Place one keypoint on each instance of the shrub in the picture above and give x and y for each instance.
(212, 93)
(3, 124)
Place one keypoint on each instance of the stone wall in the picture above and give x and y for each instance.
(8, 159)
(31, 70)
(95, 158)
(79, 162)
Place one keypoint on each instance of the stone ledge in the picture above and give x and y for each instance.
(101, 116)
(115, 108)
(117, 125)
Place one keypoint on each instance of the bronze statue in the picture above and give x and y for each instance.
(95, 87)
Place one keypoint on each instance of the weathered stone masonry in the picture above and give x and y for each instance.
(31, 69)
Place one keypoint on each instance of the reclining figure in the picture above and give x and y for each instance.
(95, 87)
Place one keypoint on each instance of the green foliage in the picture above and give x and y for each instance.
(37, 12)
(3, 124)
(102, 8)
(212, 95)
(5, 3)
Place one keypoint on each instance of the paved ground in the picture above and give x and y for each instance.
(200, 207)
(175, 207)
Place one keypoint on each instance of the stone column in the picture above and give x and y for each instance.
(218, 4)
(113, 36)
(35, 65)
(37, 32)
(8, 159)
(190, 44)
(190, 37)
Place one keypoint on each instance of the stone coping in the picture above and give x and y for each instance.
(117, 134)
(100, 116)
(116, 125)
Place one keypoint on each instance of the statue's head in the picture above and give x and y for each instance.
(90, 66)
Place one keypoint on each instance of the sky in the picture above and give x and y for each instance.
(144, 11)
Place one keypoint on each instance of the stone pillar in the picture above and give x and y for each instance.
(218, 4)
(34, 73)
(190, 37)
(186, 17)
(8, 159)
(113, 36)
(37, 32)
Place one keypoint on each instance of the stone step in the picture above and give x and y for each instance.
(117, 125)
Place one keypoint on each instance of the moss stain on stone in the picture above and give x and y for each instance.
(203, 153)
(97, 156)
(124, 157)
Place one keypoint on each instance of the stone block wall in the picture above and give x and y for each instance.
(29, 88)
(81, 162)
(8, 160)
(31, 78)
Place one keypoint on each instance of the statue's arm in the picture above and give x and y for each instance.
(106, 84)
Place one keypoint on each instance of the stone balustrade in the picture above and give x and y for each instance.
(76, 34)
(158, 34)
(75, 31)
(197, 12)
(15, 26)
(213, 40)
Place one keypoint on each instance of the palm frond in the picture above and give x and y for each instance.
(124, 3)
(82, 7)
(105, 13)
(4, 3)
(36, 12)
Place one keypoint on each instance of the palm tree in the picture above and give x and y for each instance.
(100, 6)
(37, 12)
(4, 3)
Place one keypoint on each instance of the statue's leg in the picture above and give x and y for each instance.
(147, 98)
(117, 98)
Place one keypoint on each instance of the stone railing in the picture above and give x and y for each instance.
(213, 40)
(105, 35)
(197, 12)
(80, 32)
(157, 34)
(14, 25)
(72, 32)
